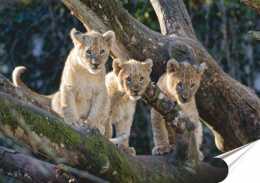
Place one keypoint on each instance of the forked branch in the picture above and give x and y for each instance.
(173, 18)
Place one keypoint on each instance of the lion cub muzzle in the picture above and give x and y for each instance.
(185, 97)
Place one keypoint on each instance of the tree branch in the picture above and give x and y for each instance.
(253, 4)
(27, 169)
(92, 22)
(223, 103)
(87, 150)
(173, 18)
(39, 129)
(134, 39)
(230, 109)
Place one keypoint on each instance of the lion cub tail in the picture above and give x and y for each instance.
(119, 139)
(44, 99)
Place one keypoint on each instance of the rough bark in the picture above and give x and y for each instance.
(87, 150)
(230, 109)
(173, 18)
(253, 4)
(28, 169)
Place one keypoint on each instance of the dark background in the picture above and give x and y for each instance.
(35, 34)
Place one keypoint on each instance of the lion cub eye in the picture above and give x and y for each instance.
(142, 79)
(102, 52)
(128, 79)
(179, 84)
(192, 86)
(88, 52)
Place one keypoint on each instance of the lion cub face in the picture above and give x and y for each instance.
(92, 48)
(183, 79)
(133, 77)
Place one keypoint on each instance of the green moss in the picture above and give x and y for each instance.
(122, 169)
(160, 179)
(44, 124)
(90, 143)
(6, 117)
(90, 146)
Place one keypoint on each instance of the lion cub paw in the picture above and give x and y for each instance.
(129, 151)
(162, 149)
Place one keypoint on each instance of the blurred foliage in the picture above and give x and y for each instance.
(222, 26)
(143, 11)
(35, 34)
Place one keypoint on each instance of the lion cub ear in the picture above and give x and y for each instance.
(148, 63)
(76, 36)
(109, 37)
(173, 66)
(117, 66)
(200, 67)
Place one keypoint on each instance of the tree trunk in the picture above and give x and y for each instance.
(230, 109)
(87, 150)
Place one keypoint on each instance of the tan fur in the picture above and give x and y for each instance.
(44, 99)
(180, 83)
(82, 96)
(125, 86)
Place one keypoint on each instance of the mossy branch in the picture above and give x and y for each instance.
(27, 169)
(86, 149)
(223, 103)
(36, 127)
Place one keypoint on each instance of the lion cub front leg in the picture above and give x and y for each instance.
(68, 106)
(160, 134)
(109, 129)
(192, 113)
(124, 126)
(199, 139)
(99, 113)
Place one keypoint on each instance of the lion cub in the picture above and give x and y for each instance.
(125, 85)
(82, 97)
(180, 83)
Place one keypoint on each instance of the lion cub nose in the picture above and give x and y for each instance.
(184, 98)
(95, 65)
(135, 90)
